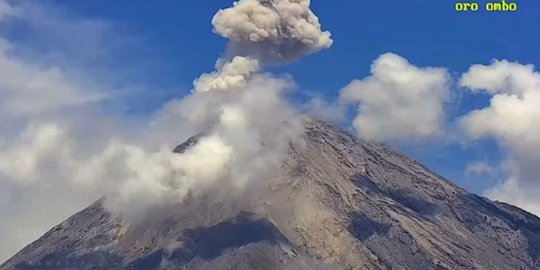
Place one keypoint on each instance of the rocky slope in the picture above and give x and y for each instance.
(338, 203)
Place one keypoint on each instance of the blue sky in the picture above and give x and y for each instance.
(426, 32)
(178, 34)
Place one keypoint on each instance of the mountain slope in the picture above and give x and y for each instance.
(337, 203)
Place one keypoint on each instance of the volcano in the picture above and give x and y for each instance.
(337, 203)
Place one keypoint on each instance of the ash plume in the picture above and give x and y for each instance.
(243, 111)
(273, 30)
(233, 74)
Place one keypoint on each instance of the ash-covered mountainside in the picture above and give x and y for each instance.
(337, 203)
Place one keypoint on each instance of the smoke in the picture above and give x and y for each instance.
(60, 150)
(243, 111)
(244, 119)
(255, 122)
(228, 75)
(274, 30)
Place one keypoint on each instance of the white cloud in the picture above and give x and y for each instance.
(479, 168)
(29, 90)
(6, 10)
(513, 192)
(512, 119)
(501, 77)
(41, 104)
(398, 100)
(22, 161)
(328, 111)
(52, 124)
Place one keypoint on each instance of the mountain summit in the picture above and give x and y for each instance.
(337, 203)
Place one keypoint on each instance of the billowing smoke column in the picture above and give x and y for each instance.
(229, 75)
(273, 30)
(246, 120)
